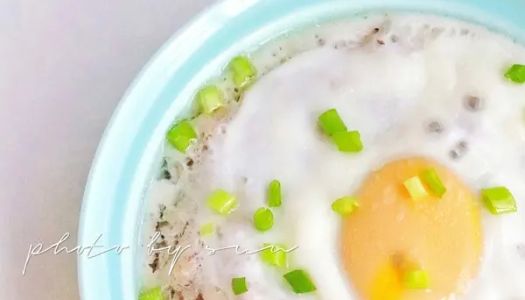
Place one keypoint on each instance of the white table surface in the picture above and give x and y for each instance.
(64, 64)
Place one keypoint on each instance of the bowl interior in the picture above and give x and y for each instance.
(129, 153)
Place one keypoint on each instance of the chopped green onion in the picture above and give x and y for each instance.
(300, 281)
(516, 73)
(431, 178)
(242, 70)
(239, 285)
(499, 200)
(210, 99)
(416, 279)
(274, 255)
(207, 229)
(345, 205)
(222, 202)
(151, 294)
(415, 188)
(263, 219)
(274, 194)
(330, 122)
(181, 135)
(348, 141)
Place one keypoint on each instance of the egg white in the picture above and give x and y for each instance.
(389, 93)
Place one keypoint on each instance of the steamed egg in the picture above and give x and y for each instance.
(425, 94)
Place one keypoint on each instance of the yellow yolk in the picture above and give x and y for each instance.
(442, 236)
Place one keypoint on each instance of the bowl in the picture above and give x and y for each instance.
(129, 154)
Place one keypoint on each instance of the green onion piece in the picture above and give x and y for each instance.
(181, 135)
(431, 178)
(345, 205)
(516, 73)
(239, 285)
(222, 202)
(330, 122)
(207, 229)
(348, 141)
(274, 194)
(415, 188)
(151, 294)
(300, 281)
(274, 255)
(263, 219)
(499, 200)
(242, 70)
(210, 99)
(416, 279)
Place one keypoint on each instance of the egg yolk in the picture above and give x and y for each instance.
(391, 232)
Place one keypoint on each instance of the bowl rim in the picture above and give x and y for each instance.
(135, 87)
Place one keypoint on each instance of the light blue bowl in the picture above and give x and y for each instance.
(129, 152)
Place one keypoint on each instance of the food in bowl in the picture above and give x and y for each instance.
(379, 158)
